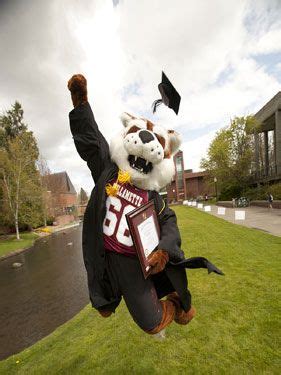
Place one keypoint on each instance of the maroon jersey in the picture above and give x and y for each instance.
(116, 233)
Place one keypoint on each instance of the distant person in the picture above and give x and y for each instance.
(269, 200)
(233, 202)
(206, 197)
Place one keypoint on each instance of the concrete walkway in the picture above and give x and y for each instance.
(255, 217)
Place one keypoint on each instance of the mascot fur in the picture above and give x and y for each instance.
(127, 174)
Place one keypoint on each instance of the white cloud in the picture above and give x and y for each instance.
(278, 66)
(206, 49)
(268, 43)
(194, 150)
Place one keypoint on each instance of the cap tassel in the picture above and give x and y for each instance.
(124, 177)
(156, 104)
(111, 190)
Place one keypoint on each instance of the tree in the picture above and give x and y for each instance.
(11, 124)
(19, 179)
(44, 175)
(230, 155)
(82, 197)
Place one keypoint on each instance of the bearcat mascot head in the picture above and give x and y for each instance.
(145, 151)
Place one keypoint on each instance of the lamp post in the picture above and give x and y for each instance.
(174, 191)
(216, 188)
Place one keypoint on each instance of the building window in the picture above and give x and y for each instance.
(271, 153)
(180, 180)
(179, 164)
(179, 171)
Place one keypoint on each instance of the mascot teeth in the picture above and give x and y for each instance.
(140, 164)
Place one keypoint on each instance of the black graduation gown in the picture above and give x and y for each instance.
(94, 149)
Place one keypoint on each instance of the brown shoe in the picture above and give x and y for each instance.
(105, 314)
(168, 316)
(77, 85)
(181, 316)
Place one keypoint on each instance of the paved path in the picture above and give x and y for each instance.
(256, 217)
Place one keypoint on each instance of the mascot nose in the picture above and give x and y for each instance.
(145, 136)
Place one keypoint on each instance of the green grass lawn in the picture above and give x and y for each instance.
(236, 330)
(10, 244)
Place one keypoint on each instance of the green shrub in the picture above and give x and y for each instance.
(230, 192)
(260, 192)
(50, 220)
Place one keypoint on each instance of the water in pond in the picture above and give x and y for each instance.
(49, 289)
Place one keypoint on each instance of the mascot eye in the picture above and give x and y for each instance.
(161, 140)
(133, 129)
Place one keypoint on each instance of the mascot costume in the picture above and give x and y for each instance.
(128, 174)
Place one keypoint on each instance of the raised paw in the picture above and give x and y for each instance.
(77, 85)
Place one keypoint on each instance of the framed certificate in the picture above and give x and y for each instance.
(145, 232)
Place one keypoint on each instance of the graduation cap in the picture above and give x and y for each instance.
(170, 96)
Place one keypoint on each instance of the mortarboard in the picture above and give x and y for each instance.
(170, 96)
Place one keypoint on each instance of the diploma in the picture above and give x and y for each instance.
(145, 233)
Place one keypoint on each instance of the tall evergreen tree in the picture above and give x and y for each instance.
(11, 123)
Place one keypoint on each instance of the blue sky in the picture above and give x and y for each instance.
(271, 62)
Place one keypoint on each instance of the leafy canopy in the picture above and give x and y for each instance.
(21, 201)
(231, 153)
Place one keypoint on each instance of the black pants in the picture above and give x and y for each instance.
(140, 295)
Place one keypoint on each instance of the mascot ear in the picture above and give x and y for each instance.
(126, 118)
(175, 141)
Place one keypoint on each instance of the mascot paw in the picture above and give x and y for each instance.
(77, 85)
(105, 314)
(158, 260)
(181, 316)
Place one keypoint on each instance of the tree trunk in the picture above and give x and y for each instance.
(17, 217)
(17, 203)
(17, 229)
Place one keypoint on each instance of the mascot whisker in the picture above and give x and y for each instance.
(128, 174)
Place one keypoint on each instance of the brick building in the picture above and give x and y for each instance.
(61, 196)
(187, 184)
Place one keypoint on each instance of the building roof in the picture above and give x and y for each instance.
(59, 183)
(269, 108)
(194, 174)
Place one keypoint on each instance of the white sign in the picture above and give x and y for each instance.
(185, 203)
(189, 203)
(221, 210)
(240, 215)
(207, 208)
(148, 235)
(194, 204)
(200, 205)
